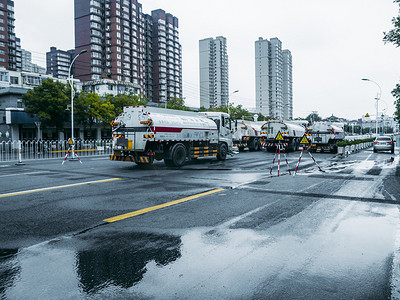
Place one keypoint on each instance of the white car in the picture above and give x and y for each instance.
(384, 143)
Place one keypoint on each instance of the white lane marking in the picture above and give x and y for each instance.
(57, 187)
(27, 173)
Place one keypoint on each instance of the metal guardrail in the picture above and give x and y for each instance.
(9, 151)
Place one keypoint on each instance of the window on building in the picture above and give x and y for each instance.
(4, 76)
(14, 80)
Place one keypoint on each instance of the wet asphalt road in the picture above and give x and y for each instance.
(330, 235)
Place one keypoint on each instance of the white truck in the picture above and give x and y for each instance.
(143, 134)
(247, 135)
(323, 136)
(291, 133)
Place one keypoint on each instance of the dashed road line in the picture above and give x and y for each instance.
(152, 208)
(57, 187)
(27, 173)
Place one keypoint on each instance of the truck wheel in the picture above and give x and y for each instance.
(178, 156)
(256, 145)
(222, 151)
(291, 146)
(297, 145)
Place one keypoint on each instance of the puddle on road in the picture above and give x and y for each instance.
(214, 263)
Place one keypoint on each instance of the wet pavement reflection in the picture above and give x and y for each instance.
(327, 255)
(74, 268)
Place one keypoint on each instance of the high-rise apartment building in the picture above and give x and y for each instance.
(214, 79)
(9, 51)
(126, 45)
(163, 56)
(273, 68)
(58, 62)
(27, 64)
(111, 31)
(287, 85)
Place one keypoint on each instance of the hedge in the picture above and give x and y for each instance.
(345, 143)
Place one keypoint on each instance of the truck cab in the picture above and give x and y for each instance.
(226, 126)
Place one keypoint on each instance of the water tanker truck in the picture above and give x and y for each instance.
(323, 136)
(291, 133)
(247, 135)
(143, 134)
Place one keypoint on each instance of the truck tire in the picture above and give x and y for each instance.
(256, 145)
(178, 155)
(222, 152)
(292, 146)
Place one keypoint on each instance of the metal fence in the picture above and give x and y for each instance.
(28, 150)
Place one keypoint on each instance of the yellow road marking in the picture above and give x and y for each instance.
(152, 208)
(56, 187)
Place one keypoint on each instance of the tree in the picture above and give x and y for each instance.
(313, 117)
(122, 100)
(236, 112)
(261, 117)
(49, 102)
(177, 103)
(396, 95)
(393, 36)
(90, 109)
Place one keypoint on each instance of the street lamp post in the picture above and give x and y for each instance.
(377, 99)
(71, 83)
(227, 104)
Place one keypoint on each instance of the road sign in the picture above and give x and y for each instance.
(70, 142)
(304, 140)
(367, 115)
(279, 137)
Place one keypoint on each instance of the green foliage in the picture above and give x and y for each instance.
(261, 117)
(89, 109)
(313, 117)
(393, 35)
(236, 112)
(122, 100)
(345, 143)
(396, 95)
(49, 102)
(178, 104)
(202, 108)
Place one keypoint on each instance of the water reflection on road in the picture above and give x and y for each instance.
(327, 254)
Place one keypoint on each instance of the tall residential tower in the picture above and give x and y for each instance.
(128, 46)
(10, 45)
(214, 79)
(274, 96)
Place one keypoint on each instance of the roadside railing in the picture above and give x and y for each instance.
(9, 151)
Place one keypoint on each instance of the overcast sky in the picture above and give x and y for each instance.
(333, 43)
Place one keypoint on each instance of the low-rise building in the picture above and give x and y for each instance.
(110, 86)
(15, 123)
